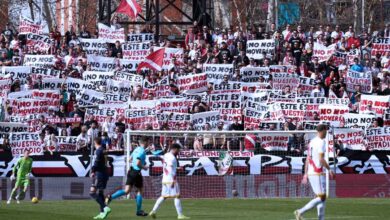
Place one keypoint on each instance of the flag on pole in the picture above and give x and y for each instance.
(153, 61)
(129, 7)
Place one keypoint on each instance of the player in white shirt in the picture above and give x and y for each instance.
(170, 186)
(314, 172)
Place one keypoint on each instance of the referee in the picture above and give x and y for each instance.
(134, 176)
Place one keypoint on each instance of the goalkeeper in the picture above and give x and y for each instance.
(22, 170)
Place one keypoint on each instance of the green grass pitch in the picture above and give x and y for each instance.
(234, 209)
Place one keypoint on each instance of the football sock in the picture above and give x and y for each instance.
(310, 205)
(99, 198)
(179, 209)
(138, 200)
(118, 194)
(12, 194)
(321, 211)
(158, 203)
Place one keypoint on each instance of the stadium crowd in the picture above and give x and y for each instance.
(294, 50)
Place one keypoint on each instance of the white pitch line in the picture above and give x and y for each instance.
(341, 217)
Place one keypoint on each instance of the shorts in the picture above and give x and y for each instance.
(100, 181)
(134, 178)
(318, 184)
(170, 192)
(22, 182)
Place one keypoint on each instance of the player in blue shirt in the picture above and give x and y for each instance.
(99, 177)
(134, 176)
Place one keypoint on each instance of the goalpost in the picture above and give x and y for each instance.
(272, 168)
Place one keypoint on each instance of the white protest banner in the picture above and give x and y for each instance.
(281, 80)
(135, 51)
(274, 142)
(259, 106)
(20, 142)
(179, 105)
(129, 66)
(252, 74)
(350, 138)
(380, 45)
(12, 127)
(159, 89)
(141, 37)
(24, 118)
(358, 120)
(199, 120)
(307, 84)
(322, 52)
(66, 143)
(281, 69)
(142, 119)
(21, 94)
(75, 86)
(216, 72)
(378, 138)
(178, 121)
(169, 54)
(193, 83)
(90, 97)
(352, 54)
(52, 83)
(260, 97)
(5, 87)
(45, 72)
(119, 87)
(97, 78)
(39, 60)
(293, 110)
(45, 94)
(278, 96)
(323, 100)
(27, 26)
(379, 104)
(145, 104)
(231, 86)
(256, 48)
(17, 72)
(110, 98)
(276, 112)
(25, 106)
(134, 79)
(203, 96)
(93, 46)
(101, 114)
(227, 100)
(110, 34)
(39, 42)
(228, 103)
(228, 115)
(100, 63)
(58, 120)
(333, 114)
(362, 79)
(253, 117)
(254, 86)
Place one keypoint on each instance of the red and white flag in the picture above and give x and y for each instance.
(153, 61)
(129, 7)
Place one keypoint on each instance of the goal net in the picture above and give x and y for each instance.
(227, 164)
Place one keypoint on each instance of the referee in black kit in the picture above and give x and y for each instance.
(99, 177)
